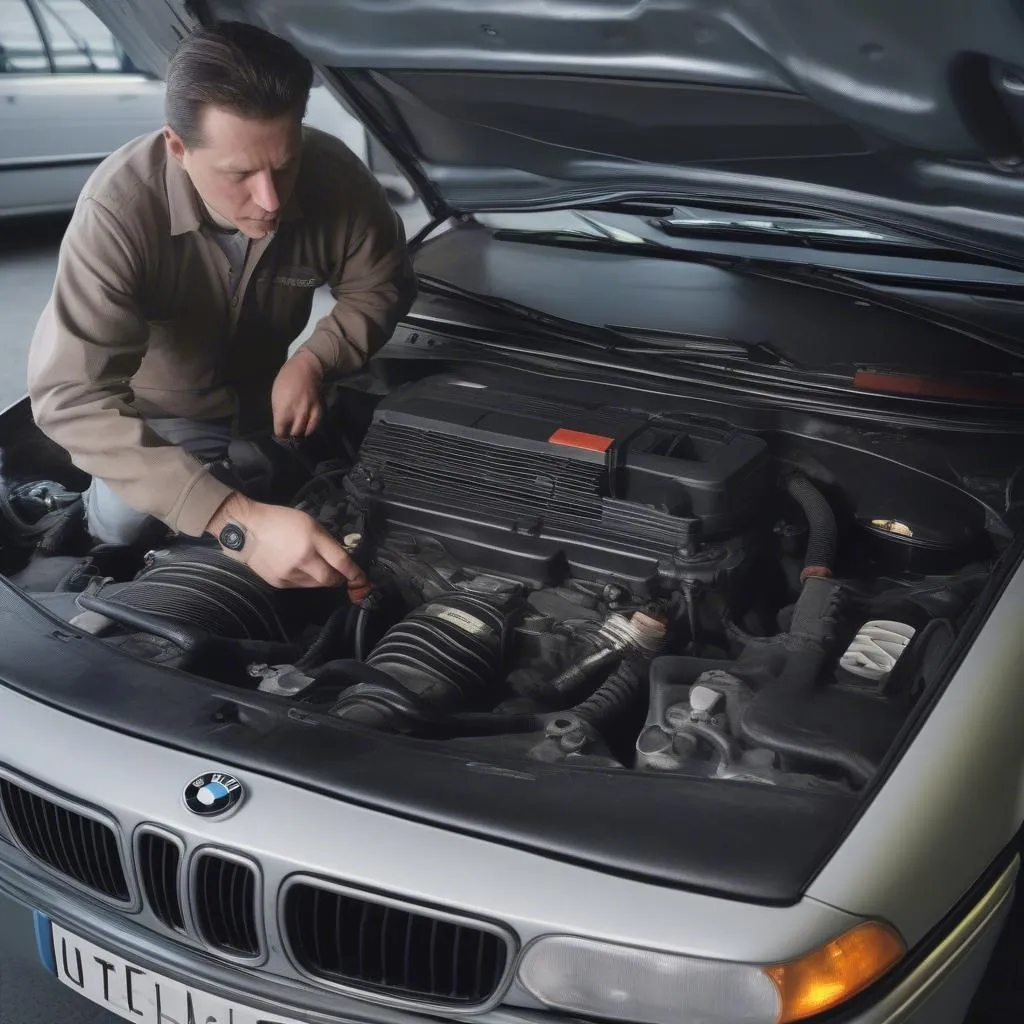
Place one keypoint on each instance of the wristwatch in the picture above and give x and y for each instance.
(232, 536)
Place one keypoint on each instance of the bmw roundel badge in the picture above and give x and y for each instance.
(212, 794)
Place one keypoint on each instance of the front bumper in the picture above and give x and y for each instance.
(23, 882)
(937, 989)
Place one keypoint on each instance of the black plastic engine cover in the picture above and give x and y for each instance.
(607, 490)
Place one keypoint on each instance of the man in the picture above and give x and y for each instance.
(186, 272)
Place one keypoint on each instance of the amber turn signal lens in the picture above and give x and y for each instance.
(839, 970)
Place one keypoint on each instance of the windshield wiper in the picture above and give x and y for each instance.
(570, 330)
(637, 341)
(822, 236)
(648, 341)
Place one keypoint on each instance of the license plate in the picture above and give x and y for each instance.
(131, 992)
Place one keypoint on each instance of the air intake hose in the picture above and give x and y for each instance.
(438, 658)
(183, 635)
(205, 588)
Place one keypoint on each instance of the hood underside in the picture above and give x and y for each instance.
(891, 112)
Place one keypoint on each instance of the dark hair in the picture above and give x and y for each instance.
(236, 67)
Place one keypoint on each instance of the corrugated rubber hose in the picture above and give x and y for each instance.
(820, 557)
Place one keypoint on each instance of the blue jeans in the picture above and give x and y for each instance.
(110, 520)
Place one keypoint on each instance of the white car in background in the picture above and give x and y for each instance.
(70, 96)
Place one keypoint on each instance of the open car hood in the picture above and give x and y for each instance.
(895, 112)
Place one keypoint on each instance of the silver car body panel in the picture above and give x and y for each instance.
(940, 990)
(956, 798)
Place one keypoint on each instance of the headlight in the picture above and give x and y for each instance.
(623, 983)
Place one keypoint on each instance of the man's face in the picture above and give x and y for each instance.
(244, 170)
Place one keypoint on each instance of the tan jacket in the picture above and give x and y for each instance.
(141, 320)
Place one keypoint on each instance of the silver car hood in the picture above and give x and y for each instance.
(895, 113)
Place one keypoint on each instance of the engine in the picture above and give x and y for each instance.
(539, 489)
(569, 584)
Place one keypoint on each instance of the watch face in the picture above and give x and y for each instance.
(232, 537)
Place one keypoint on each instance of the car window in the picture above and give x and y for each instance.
(21, 47)
(79, 41)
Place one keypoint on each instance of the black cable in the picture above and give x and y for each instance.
(318, 481)
(690, 593)
(362, 626)
(576, 675)
(327, 635)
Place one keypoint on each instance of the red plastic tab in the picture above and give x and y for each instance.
(1007, 391)
(580, 439)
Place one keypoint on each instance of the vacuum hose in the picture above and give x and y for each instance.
(362, 629)
(613, 697)
(576, 675)
(334, 627)
(641, 634)
(821, 542)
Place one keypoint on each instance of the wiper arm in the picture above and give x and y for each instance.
(639, 341)
(687, 343)
(572, 330)
(601, 235)
(810, 237)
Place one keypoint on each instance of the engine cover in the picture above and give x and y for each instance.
(507, 479)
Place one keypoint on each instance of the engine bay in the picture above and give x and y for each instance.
(581, 584)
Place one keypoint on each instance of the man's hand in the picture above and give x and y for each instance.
(295, 397)
(288, 548)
